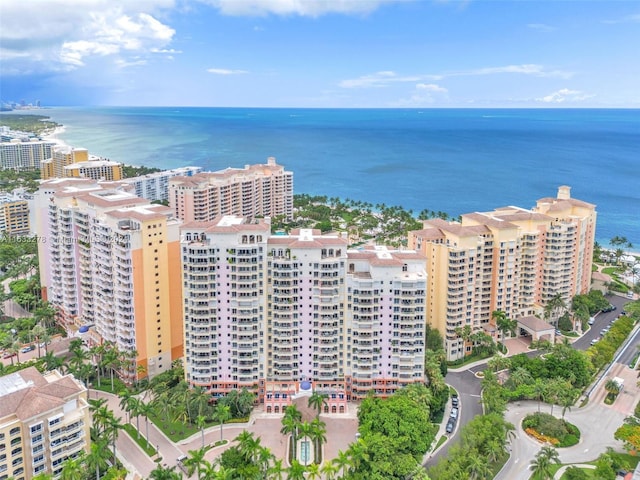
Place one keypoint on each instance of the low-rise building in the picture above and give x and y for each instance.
(44, 420)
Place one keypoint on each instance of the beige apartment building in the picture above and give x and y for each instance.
(262, 190)
(110, 260)
(510, 259)
(67, 161)
(14, 215)
(44, 420)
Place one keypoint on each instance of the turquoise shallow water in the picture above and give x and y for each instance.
(453, 160)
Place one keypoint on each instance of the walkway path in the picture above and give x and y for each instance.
(563, 469)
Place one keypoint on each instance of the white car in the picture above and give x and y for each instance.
(594, 341)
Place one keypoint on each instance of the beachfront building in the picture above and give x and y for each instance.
(96, 169)
(44, 421)
(24, 154)
(511, 259)
(109, 260)
(282, 315)
(223, 272)
(14, 215)
(155, 186)
(67, 161)
(253, 191)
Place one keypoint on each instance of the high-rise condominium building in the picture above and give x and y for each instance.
(24, 155)
(386, 319)
(223, 278)
(255, 191)
(110, 260)
(283, 313)
(44, 420)
(512, 259)
(155, 186)
(67, 161)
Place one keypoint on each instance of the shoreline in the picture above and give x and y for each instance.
(53, 136)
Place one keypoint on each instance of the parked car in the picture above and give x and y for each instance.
(28, 348)
(558, 332)
(591, 320)
(454, 413)
(455, 402)
(450, 425)
(8, 354)
(594, 341)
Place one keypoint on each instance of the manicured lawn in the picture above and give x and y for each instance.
(442, 439)
(139, 439)
(467, 360)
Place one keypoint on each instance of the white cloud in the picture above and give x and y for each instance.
(425, 94)
(50, 35)
(382, 79)
(524, 69)
(385, 78)
(303, 8)
(225, 71)
(431, 87)
(565, 95)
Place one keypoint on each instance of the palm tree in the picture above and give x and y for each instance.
(146, 409)
(504, 323)
(554, 308)
(164, 473)
(342, 462)
(98, 456)
(612, 387)
(319, 436)
(358, 454)
(51, 362)
(248, 445)
(276, 471)
(38, 331)
(222, 414)
(290, 424)
(329, 470)
(318, 401)
(296, 471)
(305, 430)
(477, 466)
(112, 430)
(72, 469)
(539, 390)
(541, 465)
(200, 423)
(313, 472)
(195, 461)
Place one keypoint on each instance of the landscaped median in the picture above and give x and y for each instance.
(546, 428)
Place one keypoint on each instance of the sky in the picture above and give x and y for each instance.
(321, 53)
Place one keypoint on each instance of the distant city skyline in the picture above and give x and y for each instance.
(321, 53)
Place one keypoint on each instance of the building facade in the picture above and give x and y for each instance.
(223, 272)
(511, 259)
(255, 191)
(24, 155)
(281, 314)
(155, 186)
(44, 421)
(67, 161)
(109, 262)
(14, 215)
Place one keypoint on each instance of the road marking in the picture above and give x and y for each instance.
(586, 450)
(517, 460)
(473, 395)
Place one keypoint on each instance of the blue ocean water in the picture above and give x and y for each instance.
(451, 160)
